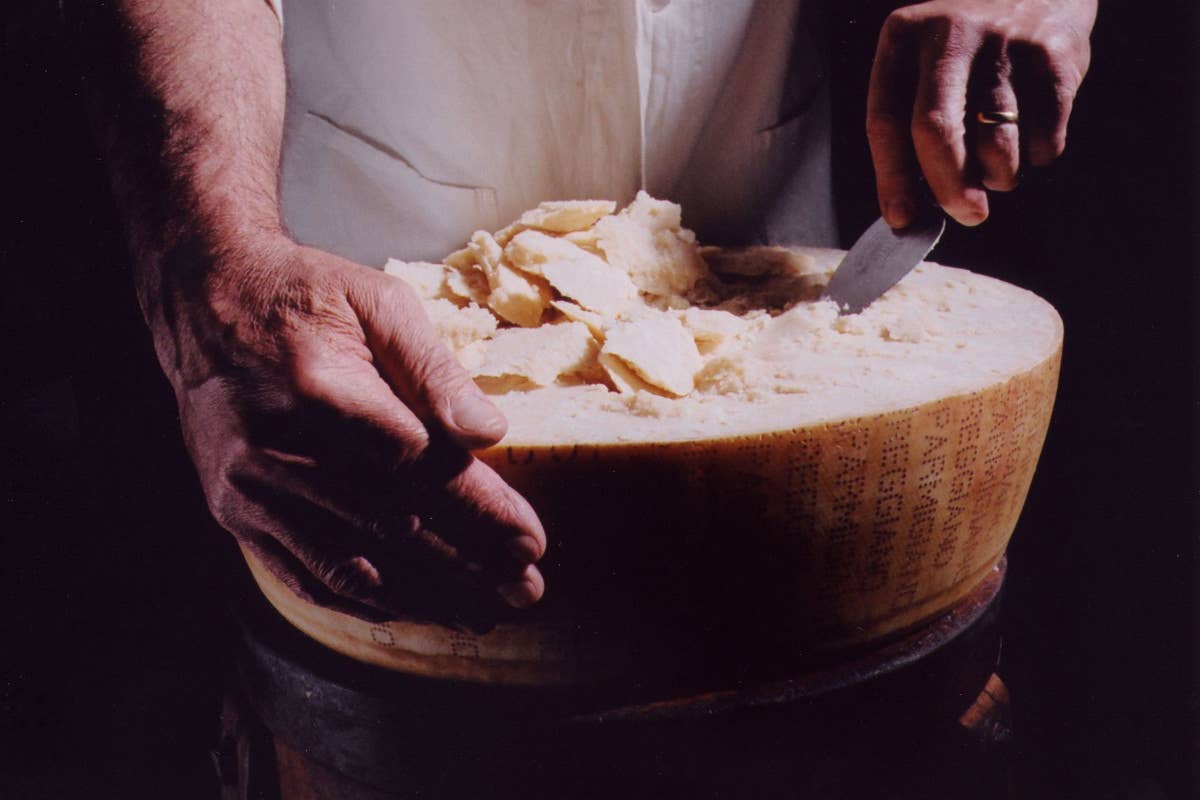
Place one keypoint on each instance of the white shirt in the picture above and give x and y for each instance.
(411, 124)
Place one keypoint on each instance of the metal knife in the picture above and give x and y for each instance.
(881, 257)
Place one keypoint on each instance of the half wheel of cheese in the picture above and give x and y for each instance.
(862, 475)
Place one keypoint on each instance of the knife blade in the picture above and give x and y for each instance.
(881, 257)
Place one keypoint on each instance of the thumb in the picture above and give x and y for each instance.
(418, 365)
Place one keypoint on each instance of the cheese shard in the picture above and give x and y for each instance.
(646, 241)
(558, 217)
(427, 280)
(659, 350)
(622, 376)
(517, 297)
(595, 323)
(588, 240)
(567, 216)
(468, 283)
(577, 274)
(459, 326)
(487, 253)
(711, 327)
(537, 356)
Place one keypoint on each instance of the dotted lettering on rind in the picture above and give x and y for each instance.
(383, 636)
(989, 488)
(562, 455)
(464, 645)
(930, 478)
(890, 493)
(801, 474)
(511, 453)
(849, 485)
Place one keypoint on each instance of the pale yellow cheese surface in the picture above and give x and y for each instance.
(644, 337)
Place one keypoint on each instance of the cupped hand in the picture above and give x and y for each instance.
(938, 64)
(331, 430)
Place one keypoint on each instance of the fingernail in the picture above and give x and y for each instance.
(471, 413)
(899, 213)
(518, 594)
(524, 549)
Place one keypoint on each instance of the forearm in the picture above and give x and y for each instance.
(188, 102)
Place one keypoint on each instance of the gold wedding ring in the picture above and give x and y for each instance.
(996, 117)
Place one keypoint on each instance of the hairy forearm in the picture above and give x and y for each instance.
(188, 100)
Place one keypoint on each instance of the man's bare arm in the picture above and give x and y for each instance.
(189, 106)
(328, 424)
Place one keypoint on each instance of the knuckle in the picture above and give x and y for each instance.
(899, 22)
(1056, 50)
(309, 382)
(951, 23)
(225, 501)
(509, 507)
(937, 125)
(946, 29)
(397, 297)
(434, 371)
(404, 453)
(1064, 96)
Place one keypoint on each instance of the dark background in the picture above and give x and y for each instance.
(111, 618)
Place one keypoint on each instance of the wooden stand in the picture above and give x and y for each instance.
(924, 716)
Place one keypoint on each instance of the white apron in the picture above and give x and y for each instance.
(412, 123)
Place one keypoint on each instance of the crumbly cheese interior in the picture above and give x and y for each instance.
(588, 325)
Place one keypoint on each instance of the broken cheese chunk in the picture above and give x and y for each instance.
(646, 241)
(558, 216)
(577, 274)
(710, 327)
(427, 280)
(659, 350)
(459, 326)
(519, 298)
(537, 356)
(622, 376)
(595, 323)
(567, 216)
